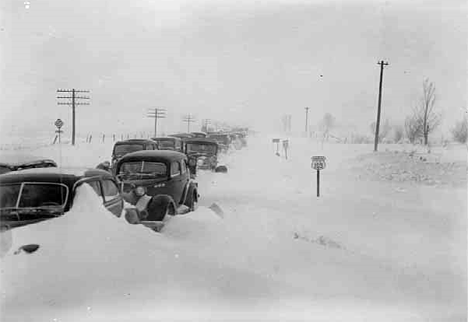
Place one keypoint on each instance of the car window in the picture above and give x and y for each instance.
(175, 168)
(183, 166)
(178, 145)
(142, 169)
(122, 149)
(33, 195)
(96, 187)
(110, 189)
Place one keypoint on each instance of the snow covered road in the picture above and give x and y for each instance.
(364, 250)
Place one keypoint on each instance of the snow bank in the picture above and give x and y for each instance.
(364, 250)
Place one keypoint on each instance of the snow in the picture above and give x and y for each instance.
(368, 249)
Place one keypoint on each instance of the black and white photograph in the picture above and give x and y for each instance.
(233, 160)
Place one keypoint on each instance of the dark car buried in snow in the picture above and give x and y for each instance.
(15, 162)
(223, 140)
(157, 183)
(121, 148)
(169, 143)
(203, 154)
(34, 195)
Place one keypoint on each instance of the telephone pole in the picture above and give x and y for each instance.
(157, 113)
(188, 119)
(306, 120)
(377, 124)
(74, 102)
(205, 125)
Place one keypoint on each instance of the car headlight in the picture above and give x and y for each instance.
(200, 162)
(140, 191)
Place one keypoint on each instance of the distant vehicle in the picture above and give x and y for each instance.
(35, 195)
(222, 139)
(203, 153)
(199, 135)
(157, 183)
(121, 148)
(169, 143)
(182, 136)
(15, 162)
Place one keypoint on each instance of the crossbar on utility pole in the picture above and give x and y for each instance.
(73, 104)
(157, 113)
(188, 119)
(377, 124)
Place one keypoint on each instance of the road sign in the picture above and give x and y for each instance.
(58, 123)
(318, 162)
(275, 140)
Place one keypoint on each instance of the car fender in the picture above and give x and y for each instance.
(142, 203)
(191, 184)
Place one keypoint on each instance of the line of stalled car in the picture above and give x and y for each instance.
(146, 180)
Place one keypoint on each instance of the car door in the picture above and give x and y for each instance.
(112, 198)
(176, 182)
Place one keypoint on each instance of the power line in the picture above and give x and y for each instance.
(73, 104)
(188, 118)
(157, 113)
(377, 126)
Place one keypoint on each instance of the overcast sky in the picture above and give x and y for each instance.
(248, 62)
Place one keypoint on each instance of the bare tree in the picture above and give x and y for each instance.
(426, 115)
(383, 131)
(328, 122)
(413, 128)
(398, 133)
(460, 131)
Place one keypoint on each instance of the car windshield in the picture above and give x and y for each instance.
(4, 169)
(142, 169)
(26, 195)
(201, 148)
(123, 149)
(220, 138)
(166, 144)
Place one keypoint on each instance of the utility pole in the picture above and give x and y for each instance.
(205, 125)
(306, 121)
(157, 113)
(377, 124)
(73, 104)
(188, 119)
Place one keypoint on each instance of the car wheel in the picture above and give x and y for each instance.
(193, 201)
(159, 207)
(221, 169)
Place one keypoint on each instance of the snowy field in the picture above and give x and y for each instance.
(386, 241)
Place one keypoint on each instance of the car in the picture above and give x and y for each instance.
(169, 143)
(222, 139)
(199, 135)
(123, 147)
(34, 195)
(158, 183)
(18, 161)
(203, 154)
(182, 136)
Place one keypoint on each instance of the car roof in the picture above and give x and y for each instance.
(134, 141)
(182, 135)
(157, 155)
(15, 159)
(167, 138)
(201, 140)
(53, 174)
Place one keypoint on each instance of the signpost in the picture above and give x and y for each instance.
(318, 163)
(285, 148)
(58, 123)
(277, 145)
